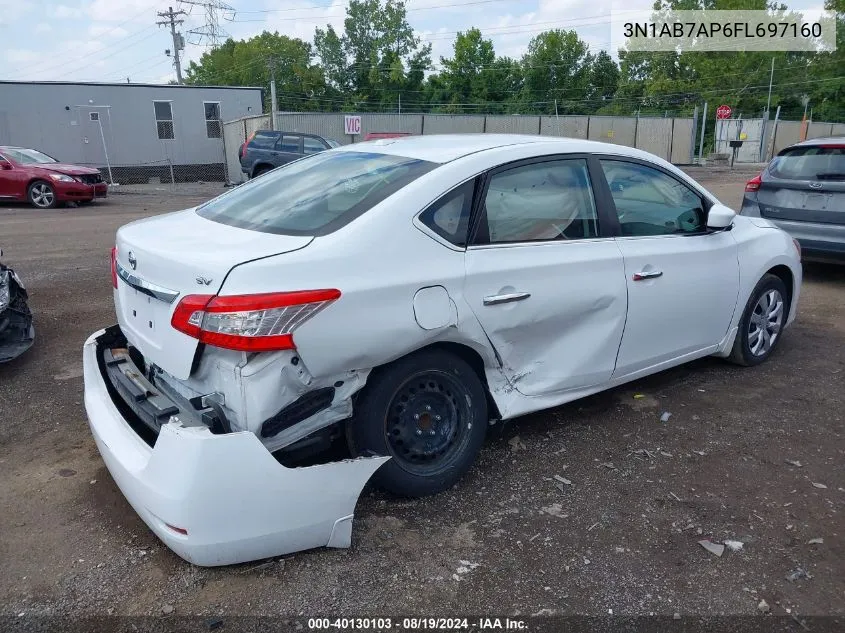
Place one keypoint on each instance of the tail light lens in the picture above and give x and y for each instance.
(114, 267)
(245, 143)
(249, 323)
(754, 183)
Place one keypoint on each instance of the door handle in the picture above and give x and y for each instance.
(493, 300)
(647, 274)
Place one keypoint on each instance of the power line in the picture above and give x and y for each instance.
(211, 32)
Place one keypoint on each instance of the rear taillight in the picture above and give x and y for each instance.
(754, 183)
(249, 323)
(797, 246)
(245, 143)
(114, 267)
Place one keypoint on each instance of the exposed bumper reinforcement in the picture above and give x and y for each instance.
(232, 499)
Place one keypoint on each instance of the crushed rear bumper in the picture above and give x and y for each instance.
(17, 333)
(217, 499)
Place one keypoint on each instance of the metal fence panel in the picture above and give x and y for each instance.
(787, 133)
(655, 135)
(682, 141)
(816, 130)
(233, 138)
(838, 129)
(255, 123)
(453, 124)
(731, 129)
(613, 129)
(568, 126)
(513, 124)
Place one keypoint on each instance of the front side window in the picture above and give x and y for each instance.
(213, 127)
(164, 119)
(317, 194)
(449, 216)
(550, 200)
(650, 202)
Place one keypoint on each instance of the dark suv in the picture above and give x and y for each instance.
(266, 149)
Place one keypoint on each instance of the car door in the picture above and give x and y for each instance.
(7, 184)
(682, 279)
(545, 284)
(288, 148)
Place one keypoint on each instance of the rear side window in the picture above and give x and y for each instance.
(312, 145)
(289, 144)
(810, 163)
(449, 216)
(264, 140)
(315, 195)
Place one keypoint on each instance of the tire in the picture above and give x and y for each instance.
(761, 325)
(41, 195)
(428, 411)
(260, 170)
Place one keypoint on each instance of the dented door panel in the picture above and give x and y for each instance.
(566, 333)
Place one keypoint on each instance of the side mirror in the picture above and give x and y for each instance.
(720, 217)
(5, 165)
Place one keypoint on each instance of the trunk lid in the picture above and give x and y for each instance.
(165, 258)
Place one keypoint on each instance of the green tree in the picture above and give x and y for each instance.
(377, 60)
(556, 67)
(300, 84)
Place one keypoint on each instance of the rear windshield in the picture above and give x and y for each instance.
(810, 163)
(314, 195)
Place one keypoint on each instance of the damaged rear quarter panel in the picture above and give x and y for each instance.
(379, 262)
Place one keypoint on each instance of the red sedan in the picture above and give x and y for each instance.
(30, 176)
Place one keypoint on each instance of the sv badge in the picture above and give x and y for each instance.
(204, 281)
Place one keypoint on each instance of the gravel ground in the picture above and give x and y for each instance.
(752, 455)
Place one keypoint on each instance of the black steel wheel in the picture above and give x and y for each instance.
(428, 411)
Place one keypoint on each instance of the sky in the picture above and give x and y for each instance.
(112, 40)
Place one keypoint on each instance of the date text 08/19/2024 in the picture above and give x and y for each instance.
(417, 624)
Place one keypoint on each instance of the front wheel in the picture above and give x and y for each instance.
(428, 411)
(42, 195)
(762, 322)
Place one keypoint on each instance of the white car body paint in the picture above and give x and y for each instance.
(584, 327)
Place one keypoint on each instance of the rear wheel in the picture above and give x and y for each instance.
(428, 411)
(42, 195)
(263, 169)
(762, 322)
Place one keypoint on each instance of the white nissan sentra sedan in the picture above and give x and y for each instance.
(399, 295)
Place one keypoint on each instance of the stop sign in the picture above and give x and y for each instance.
(723, 112)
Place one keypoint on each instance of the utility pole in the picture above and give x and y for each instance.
(273, 104)
(178, 41)
(771, 77)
